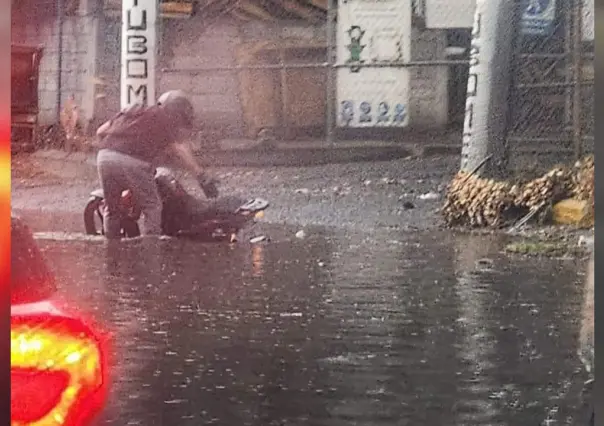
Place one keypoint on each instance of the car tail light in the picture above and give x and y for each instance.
(57, 371)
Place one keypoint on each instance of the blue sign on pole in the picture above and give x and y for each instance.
(538, 17)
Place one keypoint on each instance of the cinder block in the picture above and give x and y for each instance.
(572, 212)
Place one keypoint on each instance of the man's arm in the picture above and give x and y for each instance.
(102, 131)
(184, 153)
(207, 183)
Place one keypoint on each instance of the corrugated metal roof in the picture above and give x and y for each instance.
(266, 10)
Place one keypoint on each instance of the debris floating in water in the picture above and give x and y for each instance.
(290, 314)
(429, 196)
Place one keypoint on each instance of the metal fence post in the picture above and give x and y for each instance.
(60, 13)
(330, 95)
(576, 19)
(568, 75)
(283, 84)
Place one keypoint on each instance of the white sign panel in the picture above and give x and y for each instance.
(373, 32)
(138, 52)
(449, 13)
(538, 17)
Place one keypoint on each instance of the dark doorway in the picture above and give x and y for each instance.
(458, 46)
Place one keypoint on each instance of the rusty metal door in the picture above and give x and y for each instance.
(25, 68)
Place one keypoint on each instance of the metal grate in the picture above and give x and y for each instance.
(551, 100)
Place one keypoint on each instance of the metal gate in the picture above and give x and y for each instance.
(551, 116)
(282, 75)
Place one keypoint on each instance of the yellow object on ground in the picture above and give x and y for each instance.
(573, 212)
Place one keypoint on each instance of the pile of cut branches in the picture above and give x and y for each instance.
(475, 202)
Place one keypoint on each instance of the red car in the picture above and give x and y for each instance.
(58, 365)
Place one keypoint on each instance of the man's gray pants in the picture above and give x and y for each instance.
(118, 172)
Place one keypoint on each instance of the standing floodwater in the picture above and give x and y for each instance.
(429, 329)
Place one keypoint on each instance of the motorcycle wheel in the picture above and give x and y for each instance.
(130, 228)
(92, 211)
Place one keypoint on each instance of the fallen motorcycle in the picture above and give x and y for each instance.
(182, 213)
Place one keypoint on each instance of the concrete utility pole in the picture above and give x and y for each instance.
(495, 26)
(139, 51)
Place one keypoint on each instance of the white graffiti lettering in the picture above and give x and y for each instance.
(472, 78)
(138, 52)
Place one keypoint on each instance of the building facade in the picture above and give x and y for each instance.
(205, 51)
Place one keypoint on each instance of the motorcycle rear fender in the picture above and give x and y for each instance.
(98, 193)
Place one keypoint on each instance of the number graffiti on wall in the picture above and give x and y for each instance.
(383, 110)
(347, 113)
(365, 116)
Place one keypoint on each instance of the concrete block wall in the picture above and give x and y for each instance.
(91, 47)
(429, 98)
(78, 61)
(108, 69)
(184, 45)
(192, 45)
(428, 86)
(256, 31)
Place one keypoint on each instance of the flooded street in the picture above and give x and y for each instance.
(396, 200)
(338, 328)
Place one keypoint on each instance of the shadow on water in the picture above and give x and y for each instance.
(431, 329)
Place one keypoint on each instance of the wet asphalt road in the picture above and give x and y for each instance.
(340, 328)
(375, 318)
(367, 196)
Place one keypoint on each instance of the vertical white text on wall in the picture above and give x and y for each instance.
(138, 52)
